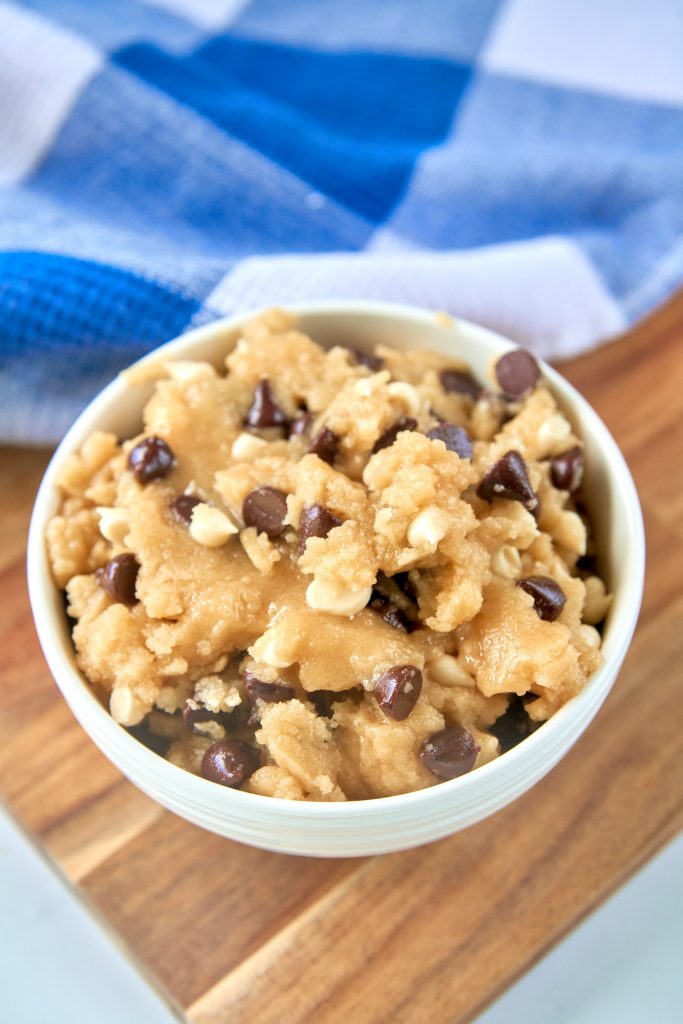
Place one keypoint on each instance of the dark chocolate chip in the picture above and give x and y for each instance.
(460, 383)
(517, 373)
(150, 459)
(396, 691)
(118, 578)
(300, 425)
(374, 363)
(549, 599)
(587, 565)
(316, 521)
(386, 439)
(449, 753)
(265, 508)
(230, 762)
(271, 693)
(195, 716)
(390, 613)
(325, 445)
(143, 734)
(182, 506)
(566, 470)
(514, 725)
(508, 478)
(264, 410)
(455, 438)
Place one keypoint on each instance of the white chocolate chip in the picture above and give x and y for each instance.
(447, 670)
(552, 432)
(570, 531)
(597, 601)
(189, 369)
(324, 784)
(114, 524)
(364, 387)
(210, 527)
(506, 562)
(327, 595)
(367, 386)
(407, 395)
(428, 527)
(125, 707)
(246, 446)
(194, 490)
(590, 636)
(269, 651)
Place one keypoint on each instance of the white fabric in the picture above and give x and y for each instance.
(625, 52)
(43, 68)
(542, 281)
(209, 14)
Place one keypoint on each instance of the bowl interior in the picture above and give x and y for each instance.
(611, 496)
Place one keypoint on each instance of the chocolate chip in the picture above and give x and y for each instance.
(373, 363)
(449, 753)
(265, 508)
(118, 578)
(264, 410)
(325, 445)
(517, 373)
(230, 762)
(182, 506)
(386, 439)
(301, 424)
(460, 383)
(390, 613)
(143, 734)
(549, 599)
(150, 459)
(271, 693)
(566, 470)
(316, 521)
(195, 716)
(396, 691)
(514, 725)
(455, 438)
(508, 478)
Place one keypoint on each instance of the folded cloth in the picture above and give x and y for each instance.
(165, 162)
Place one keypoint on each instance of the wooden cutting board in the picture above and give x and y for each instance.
(237, 935)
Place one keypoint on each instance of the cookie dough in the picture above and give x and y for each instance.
(332, 575)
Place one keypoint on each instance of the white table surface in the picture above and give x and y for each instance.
(59, 964)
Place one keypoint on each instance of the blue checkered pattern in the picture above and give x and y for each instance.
(168, 161)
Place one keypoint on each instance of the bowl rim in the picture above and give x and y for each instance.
(75, 687)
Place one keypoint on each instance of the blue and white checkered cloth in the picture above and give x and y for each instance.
(163, 162)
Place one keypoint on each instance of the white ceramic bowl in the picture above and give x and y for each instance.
(392, 823)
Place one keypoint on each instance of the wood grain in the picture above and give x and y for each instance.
(239, 935)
